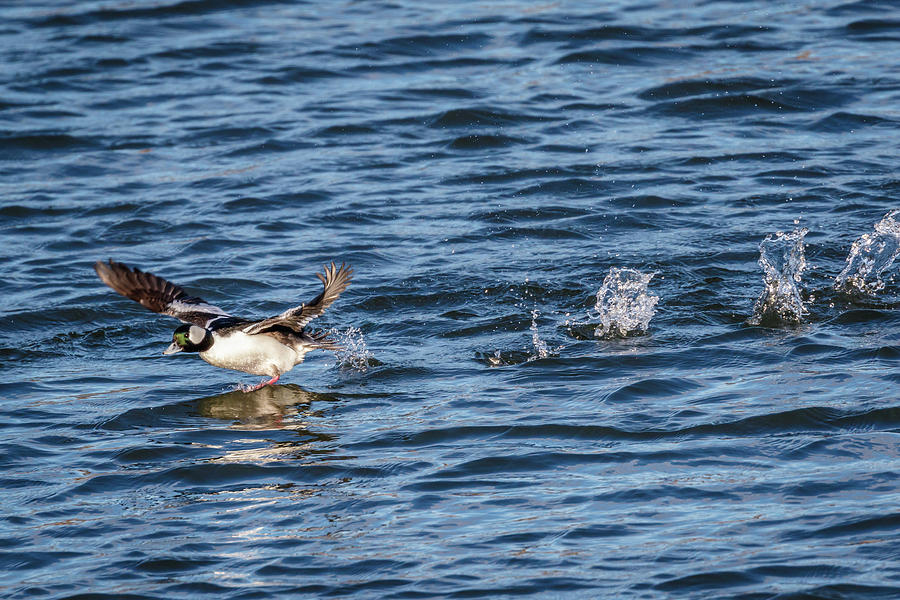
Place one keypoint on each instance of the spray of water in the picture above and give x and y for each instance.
(354, 354)
(624, 304)
(783, 260)
(541, 349)
(870, 256)
(538, 350)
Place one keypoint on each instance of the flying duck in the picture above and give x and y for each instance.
(268, 347)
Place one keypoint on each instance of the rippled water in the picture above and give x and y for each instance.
(482, 166)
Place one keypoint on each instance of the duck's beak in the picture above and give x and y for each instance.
(172, 349)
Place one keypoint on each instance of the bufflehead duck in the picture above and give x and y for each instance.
(268, 347)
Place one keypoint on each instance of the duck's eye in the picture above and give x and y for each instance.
(180, 339)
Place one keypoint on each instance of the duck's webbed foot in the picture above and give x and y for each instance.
(261, 385)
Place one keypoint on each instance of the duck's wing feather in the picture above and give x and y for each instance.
(335, 280)
(157, 294)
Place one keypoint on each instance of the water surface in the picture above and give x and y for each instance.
(482, 166)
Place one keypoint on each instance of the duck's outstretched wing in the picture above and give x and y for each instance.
(335, 280)
(157, 294)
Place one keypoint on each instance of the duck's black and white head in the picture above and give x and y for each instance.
(190, 338)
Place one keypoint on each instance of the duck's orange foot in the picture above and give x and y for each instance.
(261, 385)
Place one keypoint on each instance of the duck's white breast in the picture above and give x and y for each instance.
(257, 354)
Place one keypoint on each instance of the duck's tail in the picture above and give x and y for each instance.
(321, 340)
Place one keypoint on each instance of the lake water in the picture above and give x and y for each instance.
(516, 185)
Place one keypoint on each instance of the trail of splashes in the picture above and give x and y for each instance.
(354, 354)
(783, 259)
(870, 256)
(624, 304)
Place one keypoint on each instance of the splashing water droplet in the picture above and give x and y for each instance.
(541, 350)
(624, 304)
(783, 260)
(355, 354)
(870, 256)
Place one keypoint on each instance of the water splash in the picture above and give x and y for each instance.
(541, 349)
(624, 304)
(783, 259)
(870, 256)
(496, 359)
(354, 354)
(538, 350)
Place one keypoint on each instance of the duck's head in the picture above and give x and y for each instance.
(189, 338)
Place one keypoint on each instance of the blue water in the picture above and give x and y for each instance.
(482, 165)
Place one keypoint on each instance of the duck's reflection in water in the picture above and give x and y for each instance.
(274, 407)
(264, 408)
